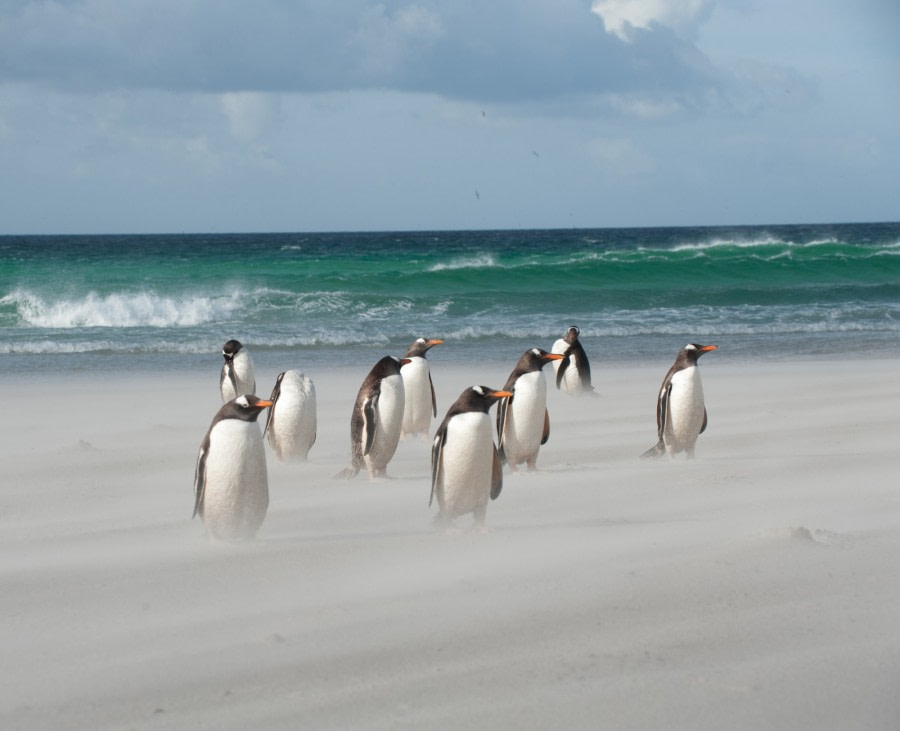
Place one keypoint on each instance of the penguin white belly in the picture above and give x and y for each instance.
(236, 492)
(686, 408)
(418, 409)
(293, 428)
(525, 418)
(388, 420)
(467, 460)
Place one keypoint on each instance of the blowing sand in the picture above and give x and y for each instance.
(754, 588)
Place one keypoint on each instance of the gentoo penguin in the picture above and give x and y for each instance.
(237, 375)
(573, 372)
(231, 487)
(377, 418)
(523, 423)
(291, 424)
(680, 411)
(421, 404)
(465, 465)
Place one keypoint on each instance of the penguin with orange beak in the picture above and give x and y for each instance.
(465, 466)
(680, 408)
(523, 422)
(231, 485)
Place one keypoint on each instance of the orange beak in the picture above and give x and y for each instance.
(707, 348)
(502, 394)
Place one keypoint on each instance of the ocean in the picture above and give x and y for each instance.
(317, 300)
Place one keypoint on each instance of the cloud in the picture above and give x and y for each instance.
(623, 17)
(503, 50)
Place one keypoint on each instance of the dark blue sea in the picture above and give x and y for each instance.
(134, 302)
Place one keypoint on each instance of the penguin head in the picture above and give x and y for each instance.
(572, 334)
(692, 351)
(537, 358)
(230, 349)
(481, 398)
(245, 407)
(388, 366)
(420, 346)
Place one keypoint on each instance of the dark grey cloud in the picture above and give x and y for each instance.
(502, 50)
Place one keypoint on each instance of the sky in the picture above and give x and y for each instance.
(158, 116)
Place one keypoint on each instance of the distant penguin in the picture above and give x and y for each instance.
(573, 372)
(523, 423)
(421, 405)
(377, 419)
(291, 425)
(680, 409)
(238, 376)
(231, 488)
(465, 464)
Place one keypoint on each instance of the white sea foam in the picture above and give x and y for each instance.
(477, 261)
(121, 309)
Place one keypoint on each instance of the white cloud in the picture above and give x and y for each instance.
(622, 17)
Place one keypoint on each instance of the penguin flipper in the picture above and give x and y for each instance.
(200, 478)
(561, 371)
(437, 448)
(369, 408)
(662, 410)
(276, 392)
(705, 421)
(433, 398)
(502, 409)
(546, 435)
(496, 476)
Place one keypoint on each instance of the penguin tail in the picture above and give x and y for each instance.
(348, 473)
(657, 450)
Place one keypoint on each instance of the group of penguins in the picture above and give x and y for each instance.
(397, 399)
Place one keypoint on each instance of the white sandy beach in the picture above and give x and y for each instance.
(753, 588)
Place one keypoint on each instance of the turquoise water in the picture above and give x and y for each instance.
(71, 302)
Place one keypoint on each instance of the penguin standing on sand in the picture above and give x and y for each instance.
(465, 464)
(573, 372)
(377, 419)
(421, 405)
(238, 376)
(291, 424)
(231, 487)
(680, 409)
(523, 423)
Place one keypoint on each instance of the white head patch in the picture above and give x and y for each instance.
(421, 340)
(479, 390)
(242, 401)
(536, 351)
(690, 346)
